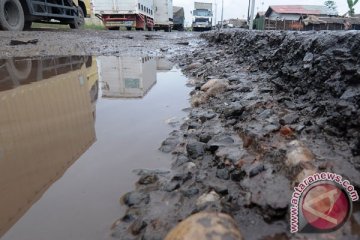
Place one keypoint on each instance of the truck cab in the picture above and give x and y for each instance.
(202, 17)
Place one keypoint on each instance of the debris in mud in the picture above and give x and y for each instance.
(16, 42)
(183, 43)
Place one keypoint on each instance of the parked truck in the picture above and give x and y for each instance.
(202, 16)
(163, 15)
(132, 14)
(18, 15)
(179, 18)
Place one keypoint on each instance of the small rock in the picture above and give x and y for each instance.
(195, 149)
(223, 174)
(190, 192)
(207, 198)
(135, 198)
(257, 170)
(215, 86)
(137, 226)
(171, 186)
(298, 153)
(237, 175)
(148, 179)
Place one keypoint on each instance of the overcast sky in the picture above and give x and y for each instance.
(238, 8)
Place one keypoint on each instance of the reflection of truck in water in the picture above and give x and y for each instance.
(202, 16)
(46, 124)
(137, 14)
(179, 18)
(163, 15)
(16, 15)
(127, 77)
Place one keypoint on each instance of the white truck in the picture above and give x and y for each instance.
(137, 14)
(202, 16)
(163, 15)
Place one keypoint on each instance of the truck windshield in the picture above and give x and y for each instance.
(201, 20)
(202, 12)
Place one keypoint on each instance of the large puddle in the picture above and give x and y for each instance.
(72, 129)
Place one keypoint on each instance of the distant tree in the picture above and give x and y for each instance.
(351, 4)
(331, 5)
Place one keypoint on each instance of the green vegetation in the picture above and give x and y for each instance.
(93, 26)
(351, 4)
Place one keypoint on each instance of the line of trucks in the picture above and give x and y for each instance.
(17, 15)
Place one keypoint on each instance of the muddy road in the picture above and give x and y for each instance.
(230, 124)
(67, 42)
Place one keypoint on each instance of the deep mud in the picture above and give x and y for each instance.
(269, 108)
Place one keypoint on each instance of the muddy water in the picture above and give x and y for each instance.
(72, 130)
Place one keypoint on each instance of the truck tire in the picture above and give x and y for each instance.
(19, 70)
(79, 21)
(11, 15)
(128, 28)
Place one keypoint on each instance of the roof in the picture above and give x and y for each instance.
(301, 10)
(336, 20)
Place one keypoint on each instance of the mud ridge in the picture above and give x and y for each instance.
(268, 109)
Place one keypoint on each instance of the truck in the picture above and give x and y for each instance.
(131, 14)
(18, 15)
(163, 15)
(202, 16)
(179, 18)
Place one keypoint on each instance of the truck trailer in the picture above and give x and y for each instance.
(202, 16)
(132, 14)
(163, 15)
(18, 15)
(179, 18)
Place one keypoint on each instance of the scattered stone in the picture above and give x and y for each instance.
(148, 179)
(135, 198)
(223, 174)
(207, 198)
(137, 226)
(195, 149)
(257, 170)
(298, 153)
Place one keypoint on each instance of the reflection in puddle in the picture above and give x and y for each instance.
(129, 77)
(47, 119)
(46, 123)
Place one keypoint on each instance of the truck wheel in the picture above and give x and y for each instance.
(168, 29)
(79, 21)
(11, 15)
(128, 28)
(19, 70)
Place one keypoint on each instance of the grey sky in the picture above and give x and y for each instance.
(238, 8)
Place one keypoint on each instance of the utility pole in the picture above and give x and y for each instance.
(222, 14)
(252, 14)
(215, 13)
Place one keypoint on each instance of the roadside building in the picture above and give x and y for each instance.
(289, 17)
(331, 23)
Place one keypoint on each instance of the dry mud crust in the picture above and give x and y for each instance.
(63, 42)
(269, 108)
